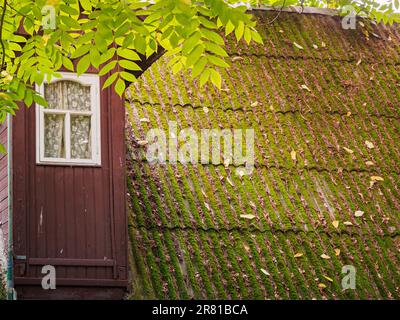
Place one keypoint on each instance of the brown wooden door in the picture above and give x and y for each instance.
(71, 217)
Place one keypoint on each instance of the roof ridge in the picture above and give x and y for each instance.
(298, 9)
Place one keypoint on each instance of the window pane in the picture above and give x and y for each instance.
(54, 146)
(77, 96)
(81, 147)
(67, 95)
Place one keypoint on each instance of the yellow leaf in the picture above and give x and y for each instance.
(254, 104)
(321, 286)
(337, 252)
(369, 163)
(237, 58)
(325, 256)
(298, 255)
(144, 120)
(335, 223)
(369, 144)
(376, 178)
(348, 150)
(298, 46)
(265, 272)
(205, 109)
(347, 223)
(329, 279)
(293, 154)
(247, 216)
(230, 181)
(323, 44)
(358, 62)
(359, 213)
(142, 142)
(304, 87)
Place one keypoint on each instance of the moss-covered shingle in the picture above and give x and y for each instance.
(336, 105)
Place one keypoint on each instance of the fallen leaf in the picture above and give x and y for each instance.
(142, 142)
(337, 252)
(298, 46)
(237, 58)
(226, 163)
(369, 144)
(321, 286)
(271, 107)
(369, 163)
(144, 120)
(230, 181)
(323, 44)
(359, 213)
(205, 109)
(304, 87)
(254, 104)
(293, 154)
(298, 255)
(347, 223)
(335, 223)
(348, 150)
(315, 46)
(348, 114)
(207, 206)
(265, 272)
(358, 62)
(247, 216)
(329, 279)
(325, 256)
(376, 178)
(281, 31)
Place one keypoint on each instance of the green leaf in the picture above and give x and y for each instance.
(3, 150)
(204, 77)
(120, 87)
(110, 80)
(108, 67)
(128, 54)
(218, 61)
(239, 31)
(67, 63)
(40, 100)
(129, 65)
(128, 76)
(229, 28)
(216, 78)
(83, 65)
(194, 55)
(199, 66)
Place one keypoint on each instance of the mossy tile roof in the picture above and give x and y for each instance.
(187, 235)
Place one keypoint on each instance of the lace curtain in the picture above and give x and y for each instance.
(69, 96)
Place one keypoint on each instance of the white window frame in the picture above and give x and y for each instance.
(85, 79)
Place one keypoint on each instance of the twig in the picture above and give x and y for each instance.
(279, 13)
(3, 58)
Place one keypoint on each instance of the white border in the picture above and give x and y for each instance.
(85, 79)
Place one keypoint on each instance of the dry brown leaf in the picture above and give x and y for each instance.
(335, 223)
(359, 213)
(325, 256)
(298, 255)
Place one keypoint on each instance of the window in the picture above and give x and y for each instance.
(68, 130)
